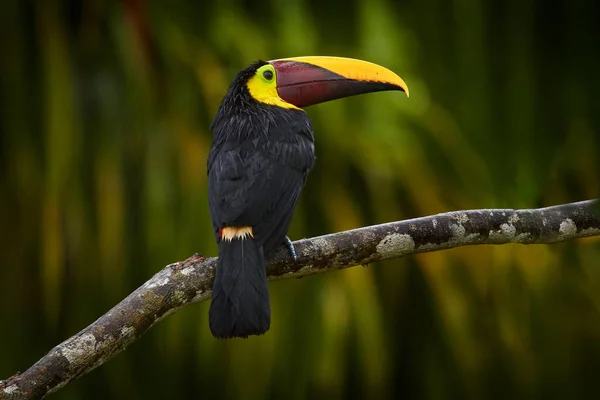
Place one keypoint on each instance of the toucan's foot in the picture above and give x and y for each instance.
(290, 247)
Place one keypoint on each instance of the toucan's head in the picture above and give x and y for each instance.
(293, 83)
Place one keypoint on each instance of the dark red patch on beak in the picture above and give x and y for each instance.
(303, 84)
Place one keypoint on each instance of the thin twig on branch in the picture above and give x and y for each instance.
(190, 281)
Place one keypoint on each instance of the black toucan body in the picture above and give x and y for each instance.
(262, 151)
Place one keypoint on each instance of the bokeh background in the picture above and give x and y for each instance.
(104, 114)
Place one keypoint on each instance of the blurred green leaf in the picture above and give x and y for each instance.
(105, 110)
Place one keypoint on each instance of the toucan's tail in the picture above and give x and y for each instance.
(240, 299)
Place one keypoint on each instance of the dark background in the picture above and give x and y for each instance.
(104, 115)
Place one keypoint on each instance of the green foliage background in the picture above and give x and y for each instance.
(104, 114)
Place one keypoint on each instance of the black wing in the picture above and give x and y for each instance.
(257, 182)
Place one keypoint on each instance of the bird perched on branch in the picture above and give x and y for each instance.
(262, 151)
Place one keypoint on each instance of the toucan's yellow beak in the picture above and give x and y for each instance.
(305, 81)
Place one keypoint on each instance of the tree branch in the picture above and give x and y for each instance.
(190, 281)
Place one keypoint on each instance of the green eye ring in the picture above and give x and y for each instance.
(266, 73)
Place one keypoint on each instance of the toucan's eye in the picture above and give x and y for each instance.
(268, 75)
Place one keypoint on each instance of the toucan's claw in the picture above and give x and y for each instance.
(290, 247)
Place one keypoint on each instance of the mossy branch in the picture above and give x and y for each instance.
(190, 281)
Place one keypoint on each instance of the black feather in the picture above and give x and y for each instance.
(257, 166)
(240, 299)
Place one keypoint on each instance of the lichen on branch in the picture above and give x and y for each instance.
(190, 281)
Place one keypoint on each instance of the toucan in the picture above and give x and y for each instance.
(262, 151)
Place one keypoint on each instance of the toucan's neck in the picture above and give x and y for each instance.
(242, 116)
(239, 110)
